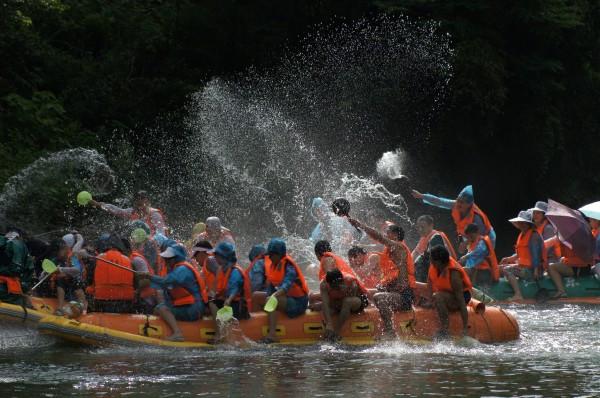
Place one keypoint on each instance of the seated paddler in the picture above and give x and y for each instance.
(181, 295)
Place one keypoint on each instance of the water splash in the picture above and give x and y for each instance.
(42, 196)
(310, 127)
(391, 164)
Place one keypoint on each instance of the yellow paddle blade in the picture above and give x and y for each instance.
(225, 314)
(48, 266)
(271, 304)
(84, 197)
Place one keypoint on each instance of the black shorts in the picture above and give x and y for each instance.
(467, 296)
(239, 311)
(336, 305)
(70, 285)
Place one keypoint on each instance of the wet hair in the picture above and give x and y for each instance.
(472, 229)
(426, 218)
(126, 245)
(334, 277)
(321, 247)
(356, 251)
(397, 230)
(140, 195)
(440, 254)
(55, 246)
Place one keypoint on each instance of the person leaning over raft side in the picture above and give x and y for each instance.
(398, 274)
(68, 278)
(429, 238)
(113, 288)
(464, 211)
(230, 284)
(141, 210)
(451, 289)
(16, 269)
(366, 266)
(546, 230)
(181, 294)
(286, 283)
(528, 261)
(480, 262)
(343, 294)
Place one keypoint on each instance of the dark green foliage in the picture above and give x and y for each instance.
(523, 108)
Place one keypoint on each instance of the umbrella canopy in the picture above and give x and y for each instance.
(573, 230)
(592, 210)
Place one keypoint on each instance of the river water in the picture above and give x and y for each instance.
(557, 355)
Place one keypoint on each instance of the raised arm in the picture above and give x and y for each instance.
(112, 209)
(433, 200)
(372, 232)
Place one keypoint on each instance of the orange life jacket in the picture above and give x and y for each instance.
(491, 261)
(337, 294)
(110, 282)
(276, 273)
(522, 249)
(339, 264)
(462, 223)
(595, 232)
(180, 295)
(390, 271)
(13, 284)
(147, 218)
(442, 283)
(571, 259)
(369, 279)
(424, 242)
(218, 283)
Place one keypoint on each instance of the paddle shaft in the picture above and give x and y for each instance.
(116, 265)
(42, 281)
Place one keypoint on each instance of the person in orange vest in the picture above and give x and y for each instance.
(528, 261)
(229, 286)
(16, 268)
(342, 294)
(429, 238)
(328, 260)
(398, 274)
(546, 230)
(480, 262)
(366, 266)
(450, 287)
(113, 288)
(570, 264)
(141, 210)
(181, 294)
(464, 212)
(286, 283)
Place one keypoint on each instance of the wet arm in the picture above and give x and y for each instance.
(477, 256)
(436, 201)
(115, 210)
(234, 286)
(159, 223)
(457, 288)
(372, 232)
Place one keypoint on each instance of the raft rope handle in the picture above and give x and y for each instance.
(148, 326)
(515, 327)
(488, 326)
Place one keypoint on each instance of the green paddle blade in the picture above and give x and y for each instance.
(271, 304)
(139, 235)
(84, 197)
(225, 314)
(48, 266)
